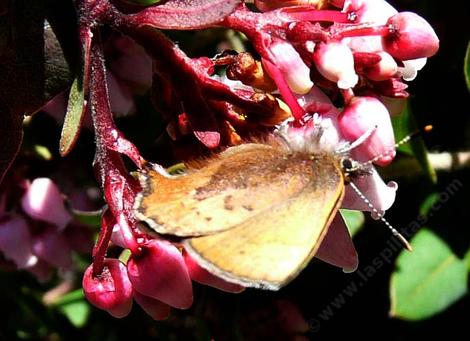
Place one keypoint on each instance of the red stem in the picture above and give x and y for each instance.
(303, 13)
(99, 251)
(285, 91)
(359, 30)
(119, 187)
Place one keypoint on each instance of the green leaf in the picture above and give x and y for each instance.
(74, 306)
(402, 129)
(73, 117)
(428, 203)
(77, 313)
(90, 218)
(467, 259)
(354, 220)
(125, 255)
(43, 152)
(71, 297)
(404, 125)
(466, 66)
(427, 280)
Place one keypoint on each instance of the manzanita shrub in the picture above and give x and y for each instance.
(342, 65)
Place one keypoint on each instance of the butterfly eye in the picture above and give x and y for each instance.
(346, 164)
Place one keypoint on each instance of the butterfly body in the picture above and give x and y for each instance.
(254, 215)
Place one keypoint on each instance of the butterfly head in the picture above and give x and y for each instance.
(320, 134)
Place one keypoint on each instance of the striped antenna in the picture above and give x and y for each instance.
(364, 165)
(360, 140)
(406, 139)
(418, 132)
(395, 233)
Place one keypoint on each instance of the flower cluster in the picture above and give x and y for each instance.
(40, 235)
(340, 65)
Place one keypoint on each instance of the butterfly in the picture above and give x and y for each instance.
(254, 214)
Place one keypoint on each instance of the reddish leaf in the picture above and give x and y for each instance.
(33, 69)
(185, 14)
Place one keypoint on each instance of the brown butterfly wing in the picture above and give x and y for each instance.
(269, 250)
(239, 184)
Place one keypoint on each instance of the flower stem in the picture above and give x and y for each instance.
(303, 13)
(285, 91)
(360, 30)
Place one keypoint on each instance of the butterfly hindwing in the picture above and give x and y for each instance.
(271, 248)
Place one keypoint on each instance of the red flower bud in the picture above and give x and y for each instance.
(337, 247)
(154, 308)
(111, 290)
(335, 62)
(384, 69)
(203, 276)
(291, 65)
(160, 272)
(361, 115)
(413, 37)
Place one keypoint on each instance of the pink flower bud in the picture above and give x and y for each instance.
(335, 62)
(294, 70)
(380, 194)
(370, 11)
(361, 115)
(413, 37)
(160, 272)
(316, 101)
(154, 308)
(15, 241)
(52, 246)
(384, 69)
(117, 237)
(410, 68)
(337, 247)
(201, 275)
(43, 201)
(111, 290)
(392, 87)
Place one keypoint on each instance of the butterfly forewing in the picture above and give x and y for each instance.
(269, 249)
(240, 184)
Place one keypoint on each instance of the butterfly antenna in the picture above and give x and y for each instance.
(406, 139)
(360, 140)
(395, 233)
